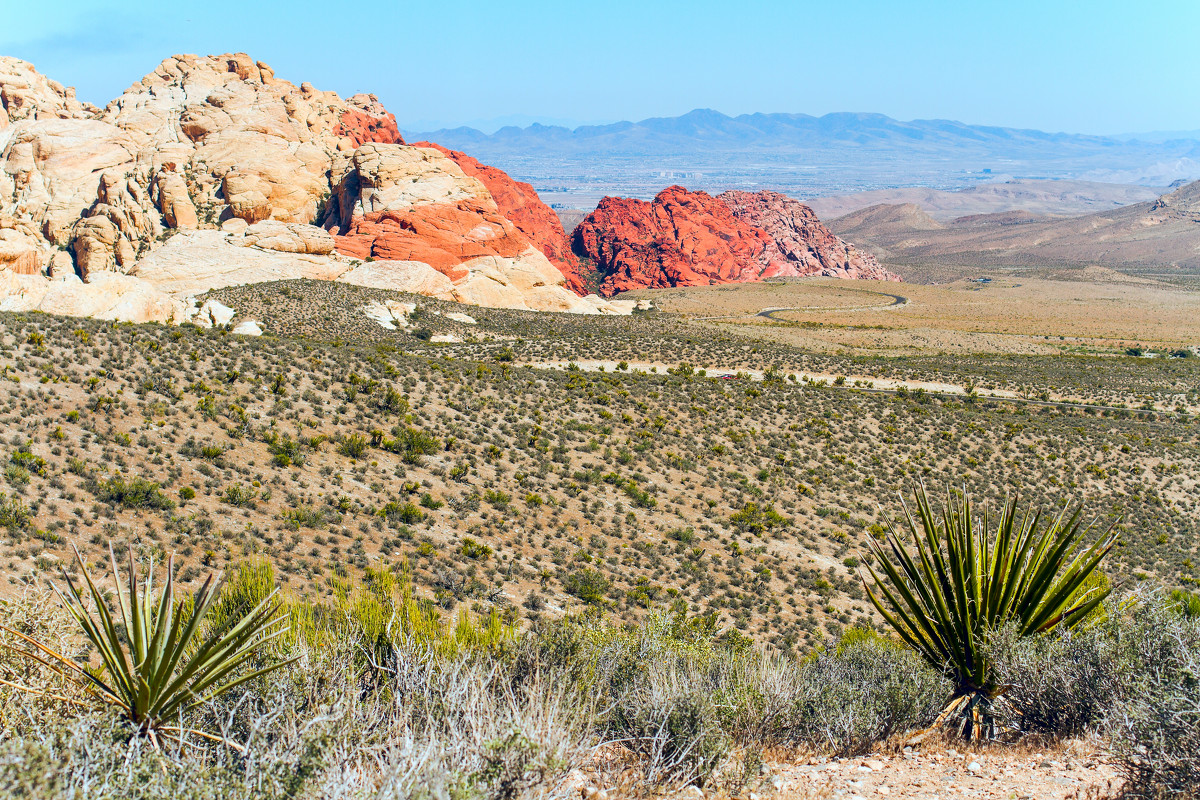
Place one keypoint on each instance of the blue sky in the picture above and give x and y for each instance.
(1089, 67)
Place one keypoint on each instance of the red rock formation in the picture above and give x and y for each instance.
(682, 238)
(442, 235)
(685, 238)
(519, 202)
(368, 121)
(801, 244)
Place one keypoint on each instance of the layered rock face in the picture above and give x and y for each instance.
(685, 238)
(219, 143)
(800, 244)
(520, 204)
(416, 204)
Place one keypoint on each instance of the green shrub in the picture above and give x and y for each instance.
(353, 446)
(589, 585)
(412, 444)
(25, 458)
(136, 492)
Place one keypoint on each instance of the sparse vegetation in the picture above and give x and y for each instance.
(686, 546)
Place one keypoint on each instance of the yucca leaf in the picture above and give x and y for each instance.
(158, 671)
(969, 573)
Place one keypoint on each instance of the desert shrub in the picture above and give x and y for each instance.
(1129, 674)
(757, 519)
(353, 446)
(237, 495)
(589, 585)
(303, 517)
(135, 492)
(849, 699)
(1155, 725)
(1059, 684)
(397, 513)
(411, 444)
(285, 451)
(24, 458)
(14, 514)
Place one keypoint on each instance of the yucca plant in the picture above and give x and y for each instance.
(964, 581)
(159, 659)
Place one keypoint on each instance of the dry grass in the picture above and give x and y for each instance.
(1016, 312)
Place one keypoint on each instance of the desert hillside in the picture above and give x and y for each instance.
(1160, 236)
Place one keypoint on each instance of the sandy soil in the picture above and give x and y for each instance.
(1073, 772)
(1014, 312)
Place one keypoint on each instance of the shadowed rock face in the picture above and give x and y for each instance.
(218, 145)
(685, 238)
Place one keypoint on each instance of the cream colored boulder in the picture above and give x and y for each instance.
(393, 177)
(414, 277)
(285, 237)
(20, 253)
(246, 194)
(195, 262)
(110, 296)
(173, 200)
(247, 328)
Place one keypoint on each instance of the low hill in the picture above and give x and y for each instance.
(1065, 197)
(1158, 235)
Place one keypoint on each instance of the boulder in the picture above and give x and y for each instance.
(413, 277)
(214, 312)
(247, 196)
(20, 253)
(109, 296)
(247, 328)
(173, 200)
(285, 237)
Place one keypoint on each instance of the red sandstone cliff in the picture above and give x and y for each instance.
(685, 238)
(520, 204)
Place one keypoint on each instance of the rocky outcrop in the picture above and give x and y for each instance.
(26, 94)
(520, 204)
(416, 204)
(681, 238)
(800, 244)
(685, 238)
(211, 171)
(368, 121)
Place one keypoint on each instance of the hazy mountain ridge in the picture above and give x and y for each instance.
(787, 133)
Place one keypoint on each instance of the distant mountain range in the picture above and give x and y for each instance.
(772, 131)
(850, 151)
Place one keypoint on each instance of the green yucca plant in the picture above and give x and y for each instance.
(159, 660)
(965, 581)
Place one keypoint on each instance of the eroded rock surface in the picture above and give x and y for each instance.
(685, 238)
(211, 171)
(520, 204)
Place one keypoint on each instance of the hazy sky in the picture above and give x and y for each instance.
(1097, 66)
